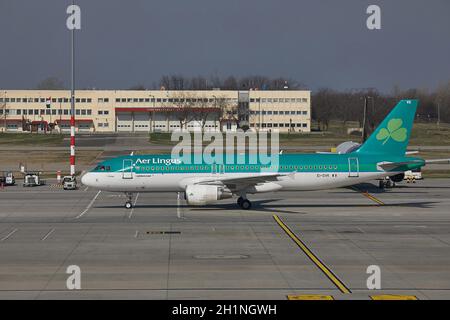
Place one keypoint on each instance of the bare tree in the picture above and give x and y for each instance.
(184, 112)
(204, 110)
(137, 87)
(50, 83)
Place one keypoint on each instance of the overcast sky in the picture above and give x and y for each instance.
(322, 43)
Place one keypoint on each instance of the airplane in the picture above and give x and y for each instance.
(382, 154)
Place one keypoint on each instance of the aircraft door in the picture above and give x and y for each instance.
(353, 167)
(127, 172)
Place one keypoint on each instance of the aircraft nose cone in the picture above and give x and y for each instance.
(88, 180)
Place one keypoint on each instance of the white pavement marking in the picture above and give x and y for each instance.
(86, 189)
(136, 234)
(179, 213)
(48, 234)
(132, 209)
(8, 235)
(89, 206)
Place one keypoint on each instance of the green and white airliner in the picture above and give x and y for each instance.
(382, 155)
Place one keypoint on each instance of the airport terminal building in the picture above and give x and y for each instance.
(155, 110)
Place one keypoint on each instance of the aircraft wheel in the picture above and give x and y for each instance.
(239, 201)
(246, 204)
(381, 184)
(128, 205)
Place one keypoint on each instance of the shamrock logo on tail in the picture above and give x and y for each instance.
(394, 130)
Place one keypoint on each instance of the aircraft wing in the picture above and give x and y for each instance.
(444, 161)
(241, 181)
(386, 166)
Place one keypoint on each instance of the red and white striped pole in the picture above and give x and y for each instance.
(72, 145)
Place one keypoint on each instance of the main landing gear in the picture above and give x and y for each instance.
(129, 204)
(244, 203)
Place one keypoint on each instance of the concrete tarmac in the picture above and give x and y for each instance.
(164, 249)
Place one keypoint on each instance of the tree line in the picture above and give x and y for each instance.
(329, 104)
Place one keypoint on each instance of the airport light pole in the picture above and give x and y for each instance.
(4, 109)
(152, 125)
(364, 131)
(438, 115)
(72, 105)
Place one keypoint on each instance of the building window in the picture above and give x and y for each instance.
(106, 112)
(66, 112)
(305, 113)
(89, 112)
(77, 112)
(83, 112)
(100, 112)
(54, 112)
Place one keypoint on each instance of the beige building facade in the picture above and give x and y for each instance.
(155, 110)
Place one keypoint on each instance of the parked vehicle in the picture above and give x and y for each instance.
(32, 179)
(69, 183)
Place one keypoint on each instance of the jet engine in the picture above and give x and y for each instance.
(199, 195)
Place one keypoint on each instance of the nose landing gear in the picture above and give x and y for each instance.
(128, 203)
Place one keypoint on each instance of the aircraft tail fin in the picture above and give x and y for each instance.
(392, 135)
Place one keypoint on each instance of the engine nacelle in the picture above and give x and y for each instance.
(398, 177)
(199, 195)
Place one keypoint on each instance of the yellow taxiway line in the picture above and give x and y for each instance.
(309, 297)
(392, 297)
(327, 271)
(368, 195)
